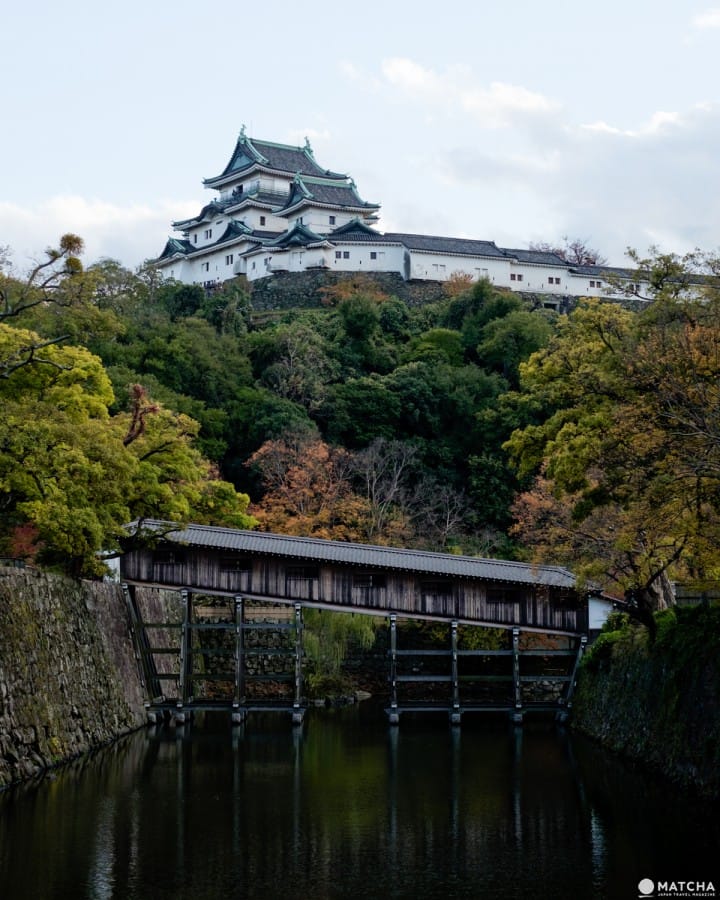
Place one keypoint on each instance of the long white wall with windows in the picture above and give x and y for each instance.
(278, 211)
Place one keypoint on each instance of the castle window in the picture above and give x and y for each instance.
(262, 220)
(515, 277)
(206, 267)
(373, 254)
(338, 254)
(229, 259)
(195, 239)
(208, 233)
(332, 219)
(346, 254)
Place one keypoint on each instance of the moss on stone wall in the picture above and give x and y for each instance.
(658, 704)
(68, 677)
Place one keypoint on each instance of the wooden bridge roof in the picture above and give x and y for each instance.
(361, 555)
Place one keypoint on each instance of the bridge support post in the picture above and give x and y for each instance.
(238, 713)
(298, 712)
(455, 714)
(582, 644)
(185, 657)
(145, 663)
(517, 715)
(393, 714)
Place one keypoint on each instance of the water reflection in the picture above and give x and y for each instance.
(346, 806)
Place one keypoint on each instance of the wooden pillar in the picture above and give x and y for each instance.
(134, 627)
(141, 648)
(455, 713)
(185, 656)
(582, 643)
(393, 714)
(238, 713)
(298, 712)
(517, 715)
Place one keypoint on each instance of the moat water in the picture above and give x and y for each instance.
(346, 806)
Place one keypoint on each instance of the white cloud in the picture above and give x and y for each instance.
(657, 122)
(653, 183)
(130, 234)
(709, 18)
(493, 106)
(298, 136)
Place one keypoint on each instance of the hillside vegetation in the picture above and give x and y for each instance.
(470, 424)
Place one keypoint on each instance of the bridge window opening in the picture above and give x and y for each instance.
(368, 580)
(168, 557)
(301, 582)
(437, 587)
(235, 564)
(436, 596)
(303, 573)
(503, 595)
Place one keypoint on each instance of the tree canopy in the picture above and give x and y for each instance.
(626, 454)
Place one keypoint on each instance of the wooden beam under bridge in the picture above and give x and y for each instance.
(191, 683)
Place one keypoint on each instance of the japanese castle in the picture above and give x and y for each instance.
(278, 210)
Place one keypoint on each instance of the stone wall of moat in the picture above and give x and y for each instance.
(68, 677)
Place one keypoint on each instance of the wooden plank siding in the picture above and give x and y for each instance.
(348, 587)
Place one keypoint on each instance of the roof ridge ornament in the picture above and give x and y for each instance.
(242, 132)
(307, 148)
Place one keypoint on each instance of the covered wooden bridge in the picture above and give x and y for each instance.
(235, 585)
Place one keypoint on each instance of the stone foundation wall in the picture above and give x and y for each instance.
(68, 676)
(289, 290)
(658, 704)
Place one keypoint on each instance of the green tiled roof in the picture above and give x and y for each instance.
(279, 157)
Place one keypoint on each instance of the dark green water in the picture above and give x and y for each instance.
(348, 807)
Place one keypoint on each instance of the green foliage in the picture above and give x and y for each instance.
(328, 637)
(439, 344)
(626, 456)
(75, 473)
(363, 368)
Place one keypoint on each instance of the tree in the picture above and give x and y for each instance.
(575, 251)
(73, 475)
(382, 469)
(52, 281)
(297, 366)
(44, 282)
(628, 452)
(308, 490)
(508, 341)
(443, 344)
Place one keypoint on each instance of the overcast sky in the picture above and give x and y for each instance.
(514, 122)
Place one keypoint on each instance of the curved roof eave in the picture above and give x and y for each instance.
(306, 204)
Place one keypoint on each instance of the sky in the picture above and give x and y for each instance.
(517, 123)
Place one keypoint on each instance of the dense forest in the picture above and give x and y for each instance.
(473, 424)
